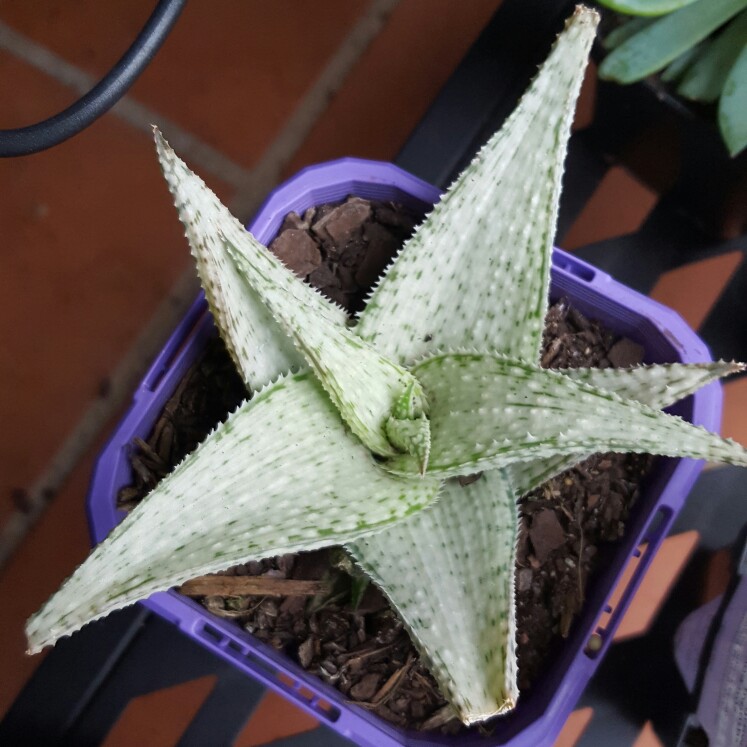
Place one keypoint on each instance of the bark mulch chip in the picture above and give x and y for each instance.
(314, 606)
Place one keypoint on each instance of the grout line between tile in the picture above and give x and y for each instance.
(127, 109)
(252, 186)
(316, 100)
(121, 385)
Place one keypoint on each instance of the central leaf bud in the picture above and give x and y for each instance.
(408, 428)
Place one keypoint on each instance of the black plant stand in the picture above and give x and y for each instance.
(83, 684)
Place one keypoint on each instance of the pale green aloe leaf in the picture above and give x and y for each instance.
(368, 388)
(462, 279)
(490, 411)
(281, 475)
(732, 107)
(705, 78)
(645, 7)
(364, 385)
(449, 572)
(259, 347)
(658, 386)
(667, 38)
(476, 272)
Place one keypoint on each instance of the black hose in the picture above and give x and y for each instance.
(37, 137)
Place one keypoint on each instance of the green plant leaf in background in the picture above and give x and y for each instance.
(667, 38)
(645, 7)
(676, 69)
(624, 32)
(705, 78)
(732, 109)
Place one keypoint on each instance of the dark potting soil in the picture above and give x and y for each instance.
(314, 606)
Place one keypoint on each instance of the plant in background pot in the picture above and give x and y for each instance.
(697, 46)
(438, 379)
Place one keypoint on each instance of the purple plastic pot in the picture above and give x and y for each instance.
(541, 713)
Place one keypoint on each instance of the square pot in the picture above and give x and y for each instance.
(541, 713)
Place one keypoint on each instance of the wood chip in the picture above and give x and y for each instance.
(234, 586)
(297, 251)
(546, 534)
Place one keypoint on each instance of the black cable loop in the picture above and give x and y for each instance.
(37, 137)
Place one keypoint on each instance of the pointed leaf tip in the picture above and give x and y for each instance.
(289, 477)
(258, 346)
(492, 232)
(491, 411)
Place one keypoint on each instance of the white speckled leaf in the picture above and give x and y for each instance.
(259, 347)
(476, 272)
(449, 571)
(657, 386)
(281, 475)
(365, 386)
(489, 411)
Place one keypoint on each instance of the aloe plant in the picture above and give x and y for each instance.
(700, 46)
(355, 432)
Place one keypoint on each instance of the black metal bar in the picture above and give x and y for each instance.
(225, 712)
(484, 89)
(584, 170)
(725, 327)
(160, 656)
(67, 679)
(638, 679)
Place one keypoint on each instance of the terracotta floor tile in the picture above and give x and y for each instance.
(574, 727)
(159, 718)
(647, 737)
(274, 718)
(91, 245)
(587, 99)
(56, 545)
(717, 575)
(734, 421)
(230, 72)
(397, 78)
(661, 575)
(618, 207)
(691, 290)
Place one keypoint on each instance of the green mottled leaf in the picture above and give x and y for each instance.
(705, 78)
(490, 411)
(281, 475)
(732, 109)
(259, 347)
(449, 572)
(676, 69)
(624, 32)
(476, 273)
(363, 384)
(645, 7)
(666, 39)
(657, 386)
